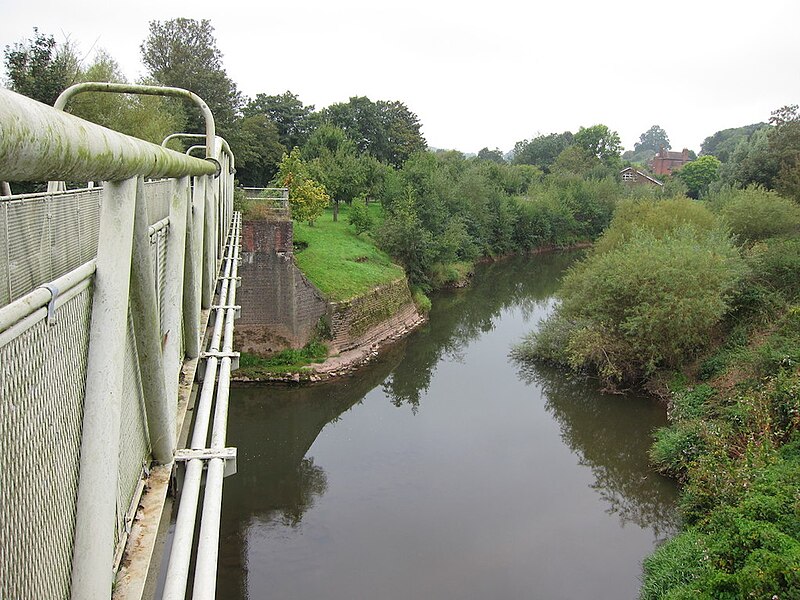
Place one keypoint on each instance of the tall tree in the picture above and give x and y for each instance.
(258, 150)
(542, 150)
(292, 119)
(183, 53)
(699, 174)
(39, 68)
(387, 130)
(654, 139)
(600, 141)
(495, 156)
(723, 143)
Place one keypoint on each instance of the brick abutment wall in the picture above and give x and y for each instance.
(282, 309)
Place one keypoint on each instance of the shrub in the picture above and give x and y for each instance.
(652, 299)
(754, 213)
(659, 217)
(360, 217)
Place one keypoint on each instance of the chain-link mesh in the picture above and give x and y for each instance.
(158, 195)
(5, 285)
(42, 379)
(44, 238)
(134, 446)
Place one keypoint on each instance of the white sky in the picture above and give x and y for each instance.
(480, 74)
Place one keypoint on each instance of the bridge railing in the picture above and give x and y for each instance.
(102, 294)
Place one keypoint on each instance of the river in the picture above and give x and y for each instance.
(445, 470)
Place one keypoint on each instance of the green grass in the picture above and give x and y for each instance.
(339, 262)
(286, 361)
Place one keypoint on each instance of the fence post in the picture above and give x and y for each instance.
(209, 242)
(176, 259)
(192, 289)
(144, 311)
(93, 552)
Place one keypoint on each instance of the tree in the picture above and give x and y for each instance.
(307, 198)
(699, 174)
(39, 68)
(600, 141)
(495, 156)
(258, 150)
(389, 131)
(541, 151)
(183, 53)
(723, 143)
(654, 139)
(292, 119)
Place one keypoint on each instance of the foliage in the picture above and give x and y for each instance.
(292, 119)
(254, 366)
(542, 150)
(654, 139)
(360, 217)
(307, 198)
(258, 150)
(387, 130)
(183, 53)
(755, 214)
(723, 143)
(699, 174)
(659, 217)
(495, 155)
(39, 68)
(339, 262)
(601, 142)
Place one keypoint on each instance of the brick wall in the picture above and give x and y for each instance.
(280, 307)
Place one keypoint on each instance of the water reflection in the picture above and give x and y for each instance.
(460, 316)
(591, 424)
(494, 483)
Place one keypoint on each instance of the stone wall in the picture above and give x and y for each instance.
(353, 322)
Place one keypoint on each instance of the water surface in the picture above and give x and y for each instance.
(445, 470)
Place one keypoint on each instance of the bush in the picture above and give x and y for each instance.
(360, 217)
(652, 301)
(755, 213)
(660, 217)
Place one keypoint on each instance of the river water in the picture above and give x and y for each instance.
(445, 470)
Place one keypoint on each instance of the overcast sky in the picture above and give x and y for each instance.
(485, 73)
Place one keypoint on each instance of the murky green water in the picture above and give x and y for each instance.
(445, 471)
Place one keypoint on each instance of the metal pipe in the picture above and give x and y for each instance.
(41, 296)
(190, 149)
(147, 90)
(209, 245)
(144, 310)
(221, 141)
(93, 551)
(208, 540)
(180, 555)
(40, 143)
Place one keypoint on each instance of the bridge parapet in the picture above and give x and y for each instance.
(102, 298)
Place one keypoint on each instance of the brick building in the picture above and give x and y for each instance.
(665, 162)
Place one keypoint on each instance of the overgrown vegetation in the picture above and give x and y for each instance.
(292, 360)
(666, 290)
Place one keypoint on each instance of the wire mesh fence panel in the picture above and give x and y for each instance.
(42, 238)
(65, 235)
(42, 380)
(5, 284)
(158, 195)
(134, 447)
(29, 254)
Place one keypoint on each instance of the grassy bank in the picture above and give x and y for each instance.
(341, 263)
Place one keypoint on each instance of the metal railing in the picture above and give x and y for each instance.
(275, 198)
(102, 294)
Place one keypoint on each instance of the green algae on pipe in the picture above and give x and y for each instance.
(40, 143)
